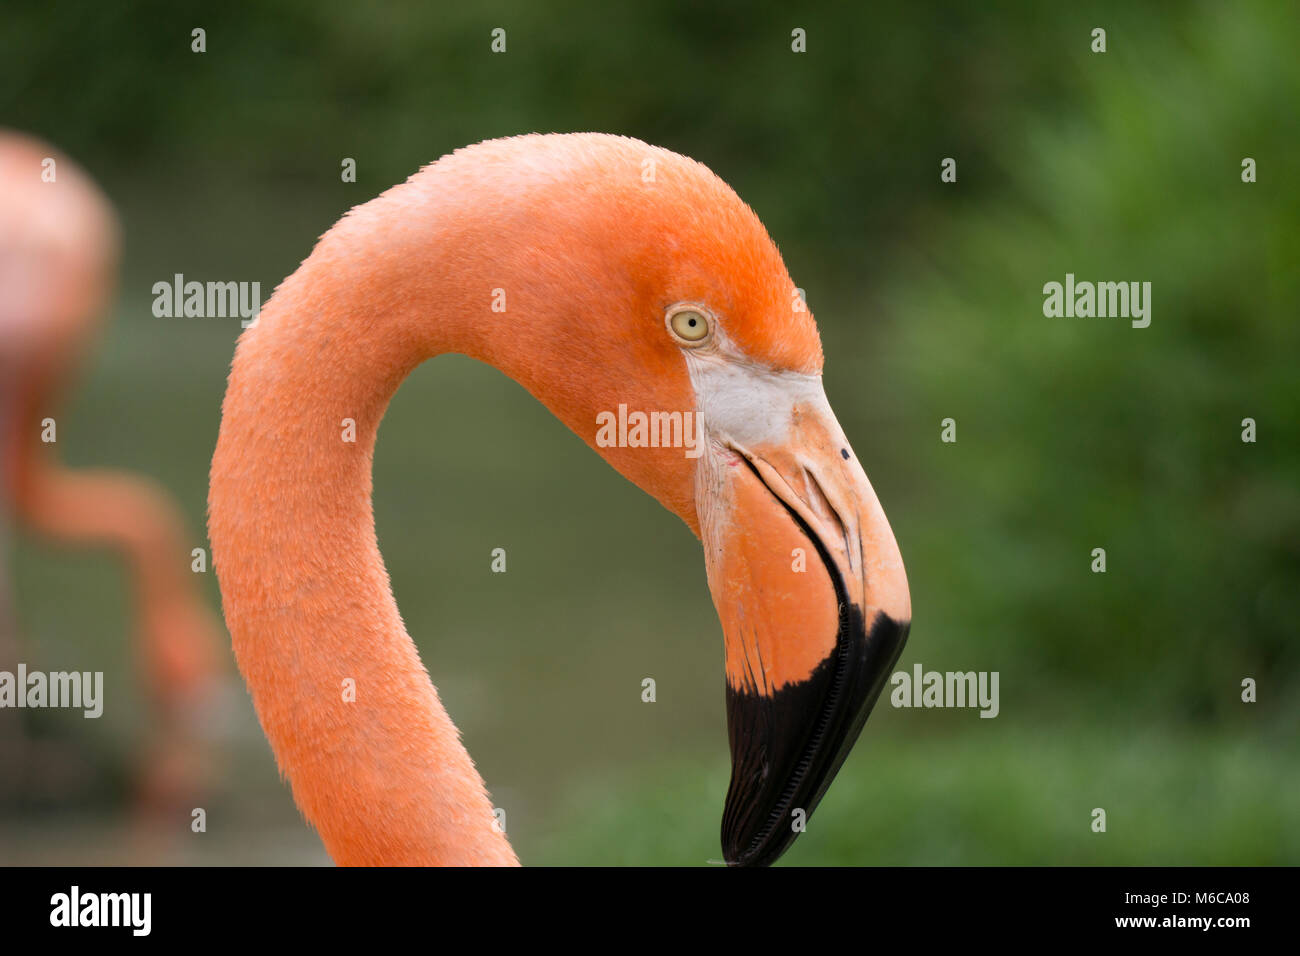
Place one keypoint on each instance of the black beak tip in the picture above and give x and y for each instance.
(787, 746)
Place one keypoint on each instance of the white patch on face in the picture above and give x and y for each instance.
(747, 403)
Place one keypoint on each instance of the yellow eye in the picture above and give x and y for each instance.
(689, 325)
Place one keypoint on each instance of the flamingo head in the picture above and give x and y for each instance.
(688, 359)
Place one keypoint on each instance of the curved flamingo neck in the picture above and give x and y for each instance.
(550, 258)
(356, 725)
(100, 507)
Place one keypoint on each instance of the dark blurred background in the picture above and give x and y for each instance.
(1119, 690)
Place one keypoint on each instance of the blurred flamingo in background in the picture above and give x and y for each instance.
(557, 260)
(58, 263)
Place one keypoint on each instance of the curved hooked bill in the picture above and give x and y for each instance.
(811, 636)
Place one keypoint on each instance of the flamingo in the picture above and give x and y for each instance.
(58, 261)
(561, 261)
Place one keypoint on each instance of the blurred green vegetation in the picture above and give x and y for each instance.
(1119, 691)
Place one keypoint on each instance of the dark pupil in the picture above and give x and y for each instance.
(691, 322)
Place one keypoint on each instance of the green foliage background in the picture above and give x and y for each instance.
(1119, 691)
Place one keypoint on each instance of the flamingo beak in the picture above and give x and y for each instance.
(813, 600)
